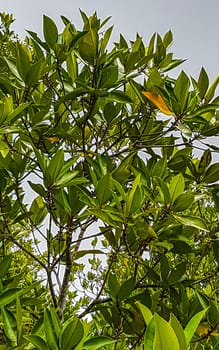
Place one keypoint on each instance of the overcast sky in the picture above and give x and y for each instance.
(194, 23)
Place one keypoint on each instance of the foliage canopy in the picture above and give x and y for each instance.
(109, 198)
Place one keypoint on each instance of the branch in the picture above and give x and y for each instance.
(97, 300)
(67, 273)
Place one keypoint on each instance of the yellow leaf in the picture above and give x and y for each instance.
(158, 101)
(203, 330)
(53, 139)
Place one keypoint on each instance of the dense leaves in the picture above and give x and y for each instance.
(109, 193)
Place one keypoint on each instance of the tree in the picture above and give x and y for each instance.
(109, 197)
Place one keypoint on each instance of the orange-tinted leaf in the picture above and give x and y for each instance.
(158, 101)
(53, 139)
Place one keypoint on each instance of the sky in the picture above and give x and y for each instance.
(194, 23)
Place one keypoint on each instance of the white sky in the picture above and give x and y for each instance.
(194, 23)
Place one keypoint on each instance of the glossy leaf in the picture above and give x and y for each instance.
(181, 90)
(8, 328)
(88, 46)
(134, 197)
(71, 335)
(203, 83)
(175, 324)
(50, 331)
(211, 91)
(160, 335)
(192, 325)
(146, 313)
(23, 61)
(104, 189)
(37, 341)
(183, 202)
(113, 285)
(212, 173)
(50, 31)
(149, 336)
(158, 101)
(176, 187)
(204, 161)
(126, 289)
(191, 221)
(97, 342)
(19, 320)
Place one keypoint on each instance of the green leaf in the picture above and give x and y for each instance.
(97, 342)
(168, 39)
(13, 68)
(50, 331)
(4, 149)
(192, 221)
(192, 325)
(164, 191)
(70, 179)
(204, 161)
(146, 313)
(38, 188)
(165, 337)
(9, 296)
(81, 253)
(203, 83)
(111, 218)
(149, 336)
(119, 96)
(104, 188)
(6, 107)
(126, 289)
(176, 186)
(105, 39)
(88, 46)
(109, 77)
(23, 61)
(212, 174)
(50, 31)
(16, 112)
(164, 268)
(134, 197)
(72, 66)
(211, 91)
(56, 165)
(37, 341)
(19, 320)
(177, 273)
(71, 335)
(159, 167)
(34, 73)
(5, 264)
(38, 210)
(181, 90)
(113, 285)
(183, 202)
(178, 331)
(8, 328)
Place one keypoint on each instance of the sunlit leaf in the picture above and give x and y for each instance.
(192, 325)
(159, 102)
(97, 342)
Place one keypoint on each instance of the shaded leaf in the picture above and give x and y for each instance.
(50, 31)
